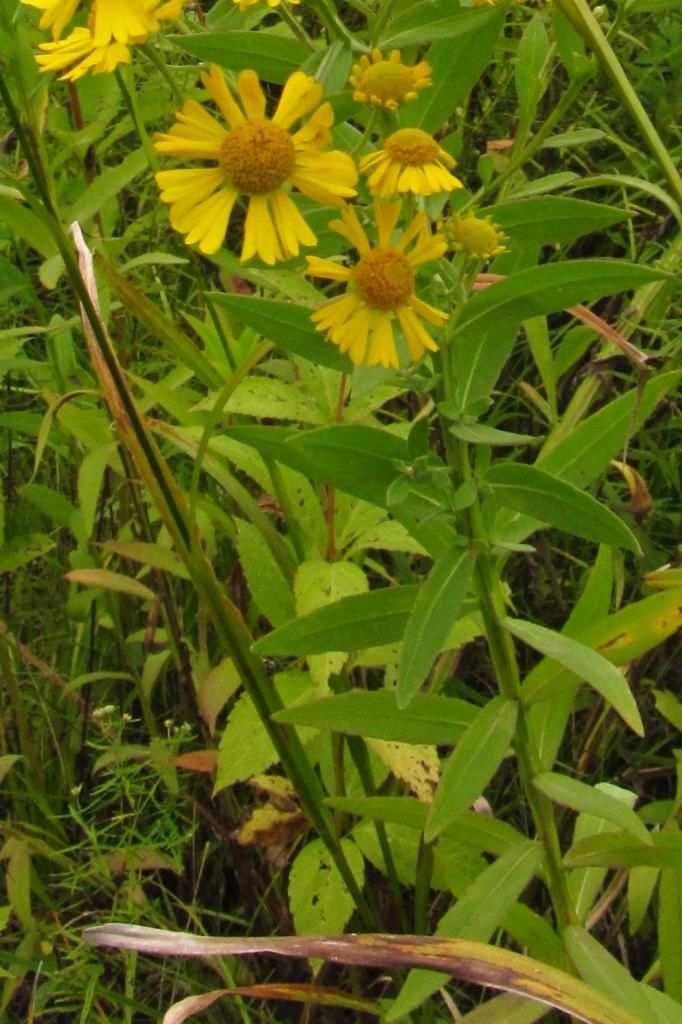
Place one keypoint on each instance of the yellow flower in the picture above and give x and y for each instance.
(56, 13)
(411, 161)
(112, 26)
(380, 288)
(121, 20)
(476, 236)
(388, 83)
(245, 4)
(78, 53)
(255, 157)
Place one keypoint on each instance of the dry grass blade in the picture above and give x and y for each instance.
(471, 961)
(317, 995)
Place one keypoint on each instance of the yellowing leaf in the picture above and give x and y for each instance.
(415, 764)
(107, 580)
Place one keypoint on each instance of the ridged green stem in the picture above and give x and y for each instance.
(489, 591)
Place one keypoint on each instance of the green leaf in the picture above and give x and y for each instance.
(22, 549)
(364, 620)
(431, 21)
(480, 433)
(597, 967)
(482, 833)
(27, 225)
(558, 503)
(319, 583)
(245, 747)
(670, 927)
(106, 186)
(429, 718)
(285, 324)
(476, 915)
(472, 764)
(153, 555)
(585, 663)
(356, 459)
(456, 65)
(579, 137)
(504, 1009)
(438, 606)
(669, 706)
(268, 398)
(588, 800)
(319, 900)
(272, 57)
(552, 219)
(268, 586)
(622, 850)
(180, 347)
(627, 634)
(487, 328)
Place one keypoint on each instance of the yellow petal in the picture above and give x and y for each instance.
(386, 215)
(212, 218)
(216, 86)
(318, 267)
(198, 183)
(260, 237)
(417, 337)
(300, 95)
(316, 131)
(434, 316)
(349, 227)
(382, 347)
(292, 229)
(251, 94)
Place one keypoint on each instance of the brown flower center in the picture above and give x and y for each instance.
(257, 157)
(411, 146)
(384, 278)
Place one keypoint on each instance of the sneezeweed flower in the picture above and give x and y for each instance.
(120, 20)
(245, 4)
(255, 157)
(56, 13)
(410, 161)
(388, 83)
(380, 289)
(113, 25)
(473, 235)
(78, 53)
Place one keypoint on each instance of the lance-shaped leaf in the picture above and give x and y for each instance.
(532, 491)
(583, 798)
(474, 962)
(472, 764)
(585, 664)
(430, 718)
(354, 622)
(284, 323)
(438, 606)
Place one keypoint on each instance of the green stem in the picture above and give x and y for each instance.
(130, 98)
(153, 57)
(490, 594)
(152, 468)
(579, 14)
(296, 27)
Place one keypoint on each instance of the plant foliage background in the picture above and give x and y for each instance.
(341, 524)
